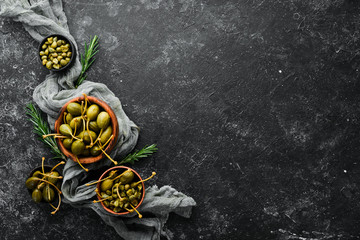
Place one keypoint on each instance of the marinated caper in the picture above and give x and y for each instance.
(74, 108)
(48, 194)
(103, 120)
(36, 195)
(51, 49)
(77, 147)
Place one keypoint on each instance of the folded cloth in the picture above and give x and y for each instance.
(41, 18)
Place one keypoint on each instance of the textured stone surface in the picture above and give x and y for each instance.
(253, 104)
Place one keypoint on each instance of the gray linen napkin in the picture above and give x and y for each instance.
(44, 17)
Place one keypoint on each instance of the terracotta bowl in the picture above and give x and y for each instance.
(114, 124)
(136, 178)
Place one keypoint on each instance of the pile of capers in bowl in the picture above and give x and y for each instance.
(55, 53)
(120, 190)
(86, 130)
(43, 184)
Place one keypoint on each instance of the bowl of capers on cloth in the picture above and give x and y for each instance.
(56, 52)
(86, 129)
(120, 190)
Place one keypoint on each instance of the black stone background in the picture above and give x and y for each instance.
(254, 105)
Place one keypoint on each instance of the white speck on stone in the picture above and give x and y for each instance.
(280, 71)
(345, 171)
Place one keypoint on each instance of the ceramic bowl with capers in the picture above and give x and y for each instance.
(56, 52)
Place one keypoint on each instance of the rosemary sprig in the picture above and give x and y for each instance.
(87, 59)
(41, 128)
(144, 152)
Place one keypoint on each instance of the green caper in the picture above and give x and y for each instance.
(63, 54)
(122, 194)
(74, 108)
(68, 54)
(115, 196)
(127, 186)
(56, 66)
(49, 65)
(62, 62)
(55, 39)
(37, 174)
(68, 118)
(59, 42)
(116, 203)
(58, 49)
(50, 39)
(106, 135)
(108, 192)
(76, 121)
(122, 187)
(46, 51)
(51, 50)
(103, 120)
(127, 205)
(55, 55)
(36, 195)
(44, 62)
(106, 185)
(53, 177)
(55, 61)
(106, 203)
(92, 112)
(87, 135)
(129, 192)
(65, 130)
(67, 143)
(42, 53)
(127, 177)
(94, 127)
(59, 58)
(32, 182)
(95, 150)
(43, 57)
(77, 147)
(48, 193)
(44, 46)
(67, 59)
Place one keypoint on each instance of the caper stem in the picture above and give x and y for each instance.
(115, 162)
(103, 199)
(58, 207)
(47, 175)
(97, 139)
(152, 175)
(62, 162)
(65, 117)
(77, 159)
(43, 180)
(140, 216)
(42, 164)
(117, 192)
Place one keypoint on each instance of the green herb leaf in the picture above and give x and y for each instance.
(144, 152)
(87, 58)
(41, 128)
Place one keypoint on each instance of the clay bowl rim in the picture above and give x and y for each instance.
(125, 168)
(72, 48)
(114, 124)
(46, 169)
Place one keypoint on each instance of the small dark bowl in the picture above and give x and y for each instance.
(72, 49)
(136, 178)
(47, 168)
